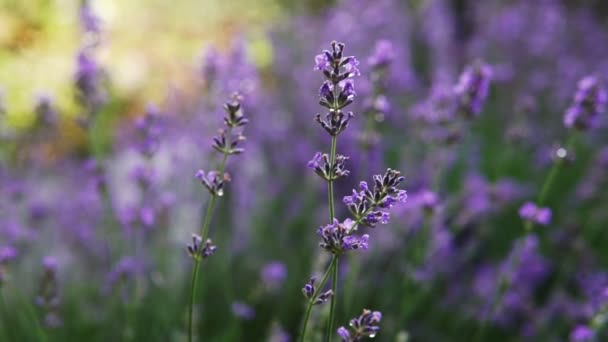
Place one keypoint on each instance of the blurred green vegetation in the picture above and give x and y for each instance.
(147, 46)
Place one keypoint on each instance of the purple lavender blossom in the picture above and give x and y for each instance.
(377, 105)
(212, 181)
(327, 170)
(46, 114)
(137, 216)
(149, 130)
(383, 55)
(227, 143)
(429, 200)
(531, 212)
(363, 204)
(582, 333)
(366, 325)
(242, 310)
(143, 176)
(126, 268)
(7, 253)
(338, 90)
(222, 144)
(278, 334)
(90, 22)
(88, 78)
(589, 102)
(198, 250)
(309, 290)
(336, 239)
(50, 264)
(438, 114)
(273, 274)
(472, 89)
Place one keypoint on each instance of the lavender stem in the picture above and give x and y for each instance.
(553, 173)
(192, 297)
(205, 233)
(314, 297)
(334, 281)
(330, 182)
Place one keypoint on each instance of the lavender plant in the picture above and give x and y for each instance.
(227, 143)
(336, 93)
(366, 205)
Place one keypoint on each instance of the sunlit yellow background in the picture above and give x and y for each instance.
(148, 46)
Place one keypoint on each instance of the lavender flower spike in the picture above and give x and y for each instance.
(336, 238)
(338, 91)
(531, 212)
(589, 102)
(582, 333)
(309, 291)
(88, 81)
(242, 310)
(366, 325)
(273, 275)
(198, 250)
(364, 204)
(384, 55)
(327, 170)
(472, 89)
(212, 181)
(227, 143)
(89, 20)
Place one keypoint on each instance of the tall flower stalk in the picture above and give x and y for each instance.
(367, 204)
(336, 93)
(227, 144)
(589, 102)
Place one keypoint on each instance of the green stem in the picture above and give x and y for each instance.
(330, 183)
(330, 270)
(422, 237)
(330, 188)
(314, 297)
(544, 191)
(332, 311)
(192, 297)
(205, 233)
(349, 288)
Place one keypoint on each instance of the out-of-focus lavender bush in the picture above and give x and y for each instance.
(493, 110)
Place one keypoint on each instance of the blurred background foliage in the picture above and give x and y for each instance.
(149, 46)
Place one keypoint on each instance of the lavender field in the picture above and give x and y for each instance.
(349, 170)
